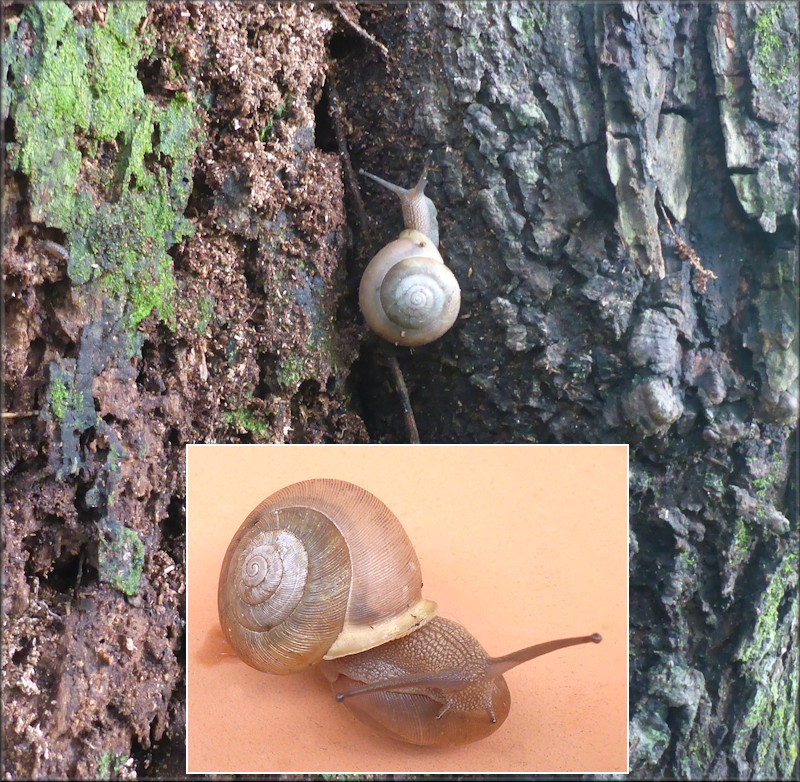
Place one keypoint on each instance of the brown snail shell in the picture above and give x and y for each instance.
(319, 569)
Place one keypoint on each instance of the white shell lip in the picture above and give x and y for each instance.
(355, 639)
(421, 239)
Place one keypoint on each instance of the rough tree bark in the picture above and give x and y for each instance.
(179, 268)
(588, 155)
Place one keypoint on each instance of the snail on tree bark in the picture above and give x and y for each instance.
(407, 294)
(322, 572)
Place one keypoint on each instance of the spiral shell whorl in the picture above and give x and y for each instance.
(417, 293)
(321, 568)
(268, 591)
(283, 589)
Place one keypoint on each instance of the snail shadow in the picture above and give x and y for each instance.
(215, 650)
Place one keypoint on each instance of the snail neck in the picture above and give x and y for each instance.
(456, 679)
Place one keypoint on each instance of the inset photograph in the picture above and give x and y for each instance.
(407, 609)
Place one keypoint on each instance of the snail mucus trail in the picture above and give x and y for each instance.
(322, 572)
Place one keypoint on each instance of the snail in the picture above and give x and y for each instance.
(322, 572)
(407, 294)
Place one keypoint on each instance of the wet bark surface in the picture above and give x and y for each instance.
(133, 327)
(616, 189)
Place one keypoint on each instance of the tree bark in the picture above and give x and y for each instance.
(616, 185)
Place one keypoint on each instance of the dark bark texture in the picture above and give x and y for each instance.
(592, 160)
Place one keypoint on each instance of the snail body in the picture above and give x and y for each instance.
(322, 572)
(407, 294)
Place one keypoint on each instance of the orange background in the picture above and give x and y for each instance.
(521, 544)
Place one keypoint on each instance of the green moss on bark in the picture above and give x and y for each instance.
(106, 164)
(770, 698)
(121, 558)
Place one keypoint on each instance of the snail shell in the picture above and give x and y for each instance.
(323, 572)
(320, 569)
(408, 295)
